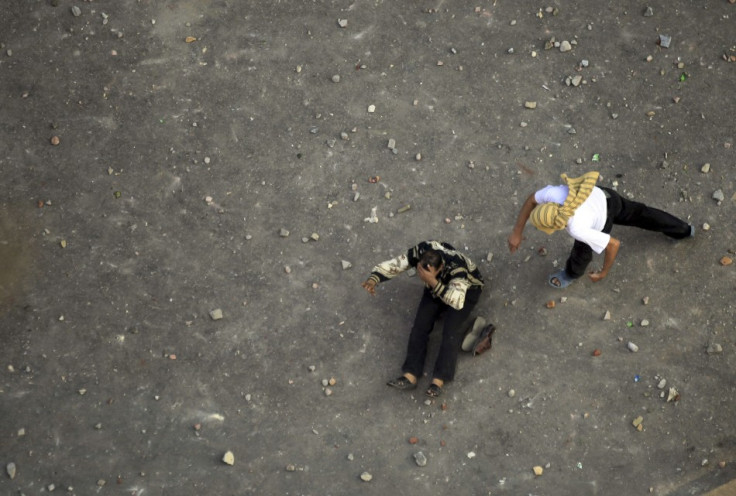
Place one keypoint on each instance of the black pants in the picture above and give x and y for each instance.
(455, 322)
(626, 213)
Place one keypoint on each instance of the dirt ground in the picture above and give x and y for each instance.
(194, 135)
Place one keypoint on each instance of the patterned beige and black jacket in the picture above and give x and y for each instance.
(458, 274)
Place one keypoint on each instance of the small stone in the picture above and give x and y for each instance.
(471, 454)
(82, 392)
(632, 347)
(714, 348)
(328, 392)
(371, 109)
(538, 470)
(10, 469)
(207, 160)
(50, 488)
(718, 195)
(607, 315)
(637, 421)
(530, 105)
(550, 304)
(596, 352)
(418, 157)
(448, 220)
(572, 131)
(336, 78)
(350, 457)
(511, 393)
(76, 11)
(584, 63)
(287, 269)
(726, 261)
(706, 226)
(420, 459)
(565, 46)
(98, 426)
(722, 463)
(21, 432)
(576, 80)
(510, 51)
(101, 482)
(343, 23)
(228, 458)
(644, 322)
(216, 314)
(314, 236)
(55, 140)
(346, 265)
(645, 300)
(661, 384)
(291, 468)
(672, 395)
(648, 12)
(523, 124)
(413, 440)
(705, 168)
(366, 477)
(284, 233)
(489, 257)
(344, 136)
(391, 143)
(664, 40)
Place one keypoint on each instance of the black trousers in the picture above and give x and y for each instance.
(626, 213)
(452, 329)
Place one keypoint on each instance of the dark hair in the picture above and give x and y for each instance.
(431, 258)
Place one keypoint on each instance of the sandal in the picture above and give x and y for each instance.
(433, 391)
(401, 383)
(563, 280)
(472, 337)
(484, 341)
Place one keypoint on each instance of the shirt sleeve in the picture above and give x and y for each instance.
(452, 293)
(552, 194)
(390, 268)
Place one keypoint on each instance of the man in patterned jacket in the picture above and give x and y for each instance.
(453, 285)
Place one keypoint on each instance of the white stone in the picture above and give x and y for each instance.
(228, 458)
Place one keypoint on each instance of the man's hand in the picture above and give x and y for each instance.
(370, 286)
(596, 276)
(514, 241)
(428, 275)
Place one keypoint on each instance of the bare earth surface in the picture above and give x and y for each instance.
(194, 134)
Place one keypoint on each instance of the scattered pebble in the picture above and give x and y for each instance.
(511, 393)
(714, 348)
(10, 469)
(632, 347)
(718, 196)
(565, 46)
(662, 383)
(726, 261)
(530, 105)
(336, 78)
(420, 459)
(413, 440)
(596, 352)
(645, 300)
(705, 168)
(471, 454)
(228, 458)
(216, 314)
(366, 477)
(644, 323)
(638, 423)
(371, 109)
(343, 23)
(538, 470)
(672, 395)
(284, 233)
(346, 265)
(607, 315)
(76, 11)
(55, 140)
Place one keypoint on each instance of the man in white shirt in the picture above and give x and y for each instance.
(588, 213)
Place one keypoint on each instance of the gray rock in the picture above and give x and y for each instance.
(718, 195)
(565, 46)
(714, 348)
(664, 40)
(216, 314)
(632, 347)
(10, 469)
(346, 265)
(284, 233)
(584, 63)
(336, 78)
(392, 143)
(661, 384)
(420, 459)
(648, 12)
(576, 80)
(76, 12)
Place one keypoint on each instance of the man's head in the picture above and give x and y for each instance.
(431, 258)
(544, 217)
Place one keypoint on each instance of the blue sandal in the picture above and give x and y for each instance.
(562, 278)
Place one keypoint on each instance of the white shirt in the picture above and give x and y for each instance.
(587, 224)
